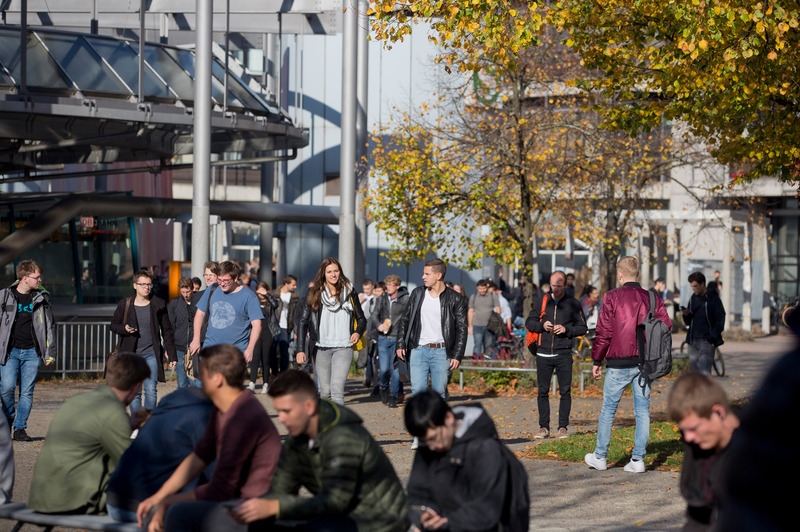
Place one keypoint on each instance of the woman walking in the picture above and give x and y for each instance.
(331, 325)
(269, 326)
(141, 322)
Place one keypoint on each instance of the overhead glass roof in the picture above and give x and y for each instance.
(61, 62)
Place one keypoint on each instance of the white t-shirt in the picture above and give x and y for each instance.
(286, 297)
(430, 319)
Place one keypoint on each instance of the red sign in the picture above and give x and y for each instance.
(87, 222)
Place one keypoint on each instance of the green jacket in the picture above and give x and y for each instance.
(345, 470)
(85, 441)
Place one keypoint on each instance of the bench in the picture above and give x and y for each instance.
(17, 511)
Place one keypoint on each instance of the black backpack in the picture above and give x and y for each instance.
(655, 346)
(515, 517)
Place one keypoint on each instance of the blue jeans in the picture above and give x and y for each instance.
(22, 364)
(484, 339)
(701, 355)
(390, 377)
(180, 372)
(148, 386)
(118, 514)
(617, 379)
(426, 361)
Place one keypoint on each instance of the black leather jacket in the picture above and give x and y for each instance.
(308, 327)
(454, 323)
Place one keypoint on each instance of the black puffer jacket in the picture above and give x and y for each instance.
(454, 322)
(467, 484)
(308, 327)
(566, 312)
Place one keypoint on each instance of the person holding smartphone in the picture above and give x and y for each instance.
(147, 331)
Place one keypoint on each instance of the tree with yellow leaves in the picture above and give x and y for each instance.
(727, 69)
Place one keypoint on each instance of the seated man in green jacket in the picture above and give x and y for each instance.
(85, 441)
(328, 451)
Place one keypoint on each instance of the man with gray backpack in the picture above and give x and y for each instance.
(626, 317)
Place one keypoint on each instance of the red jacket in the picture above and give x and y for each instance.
(621, 311)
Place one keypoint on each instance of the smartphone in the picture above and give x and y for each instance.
(419, 508)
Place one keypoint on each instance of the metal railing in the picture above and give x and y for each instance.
(82, 347)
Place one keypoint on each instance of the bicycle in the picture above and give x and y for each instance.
(718, 363)
(508, 348)
(582, 348)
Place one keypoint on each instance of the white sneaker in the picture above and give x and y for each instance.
(415, 444)
(634, 466)
(252, 386)
(595, 462)
(264, 388)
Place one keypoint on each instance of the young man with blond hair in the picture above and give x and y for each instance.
(700, 408)
(623, 309)
(391, 306)
(27, 333)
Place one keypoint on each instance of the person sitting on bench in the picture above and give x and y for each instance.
(240, 436)
(85, 441)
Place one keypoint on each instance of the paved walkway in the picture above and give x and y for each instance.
(564, 496)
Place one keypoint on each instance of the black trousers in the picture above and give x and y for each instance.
(261, 354)
(561, 364)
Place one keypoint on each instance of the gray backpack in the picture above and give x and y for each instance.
(655, 346)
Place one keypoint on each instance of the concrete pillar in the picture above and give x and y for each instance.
(747, 282)
(672, 259)
(362, 137)
(725, 274)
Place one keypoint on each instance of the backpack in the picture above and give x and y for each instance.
(516, 507)
(532, 338)
(654, 340)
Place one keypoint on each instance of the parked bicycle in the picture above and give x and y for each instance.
(718, 363)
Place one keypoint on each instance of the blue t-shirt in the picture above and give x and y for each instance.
(231, 314)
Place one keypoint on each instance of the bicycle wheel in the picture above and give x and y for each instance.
(683, 347)
(718, 363)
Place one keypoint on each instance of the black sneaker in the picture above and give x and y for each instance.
(376, 391)
(392, 402)
(21, 435)
(384, 395)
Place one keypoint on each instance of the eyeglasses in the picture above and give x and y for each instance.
(144, 285)
(209, 275)
(222, 281)
(37, 279)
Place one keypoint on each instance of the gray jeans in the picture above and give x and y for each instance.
(701, 355)
(333, 365)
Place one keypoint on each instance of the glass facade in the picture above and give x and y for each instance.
(785, 253)
(87, 260)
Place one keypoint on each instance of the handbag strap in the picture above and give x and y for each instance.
(124, 319)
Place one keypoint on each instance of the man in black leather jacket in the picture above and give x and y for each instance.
(433, 345)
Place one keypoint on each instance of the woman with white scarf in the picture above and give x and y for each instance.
(331, 325)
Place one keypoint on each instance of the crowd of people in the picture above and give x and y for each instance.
(209, 457)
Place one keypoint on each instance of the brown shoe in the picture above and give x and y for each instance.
(562, 433)
(541, 434)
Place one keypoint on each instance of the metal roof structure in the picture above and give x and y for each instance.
(78, 102)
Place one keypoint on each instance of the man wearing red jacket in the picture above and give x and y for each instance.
(623, 309)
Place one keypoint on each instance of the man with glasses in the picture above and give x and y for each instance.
(27, 332)
(234, 314)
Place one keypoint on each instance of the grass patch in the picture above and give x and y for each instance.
(664, 451)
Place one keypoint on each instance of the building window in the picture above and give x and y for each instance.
(332, 185)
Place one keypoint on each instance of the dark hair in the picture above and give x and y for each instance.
(288, 279)
(293, 381)
(438, 266)
(125, 371)
(570, 275)
(493, 286)
(27, 267)
(587, 290)
(425, 410)
(660, 280)
(482, 282)
(315, 294)
(229, 268)
(143, 273)
(697, 277)
(197, 282)
(185, 282)
(381, 285)
(226, 359)
(213, 266)
(264, 285)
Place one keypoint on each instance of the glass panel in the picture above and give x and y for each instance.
(82, 63)
(124, 60)
(218, 72)
(5, 79)
(105, 258)
(42, 70)
(177, 78)
(185, 59)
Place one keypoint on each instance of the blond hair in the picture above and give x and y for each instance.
(628, 267)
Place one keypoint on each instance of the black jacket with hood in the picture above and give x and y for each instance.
(467, 484)
(567, 312)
